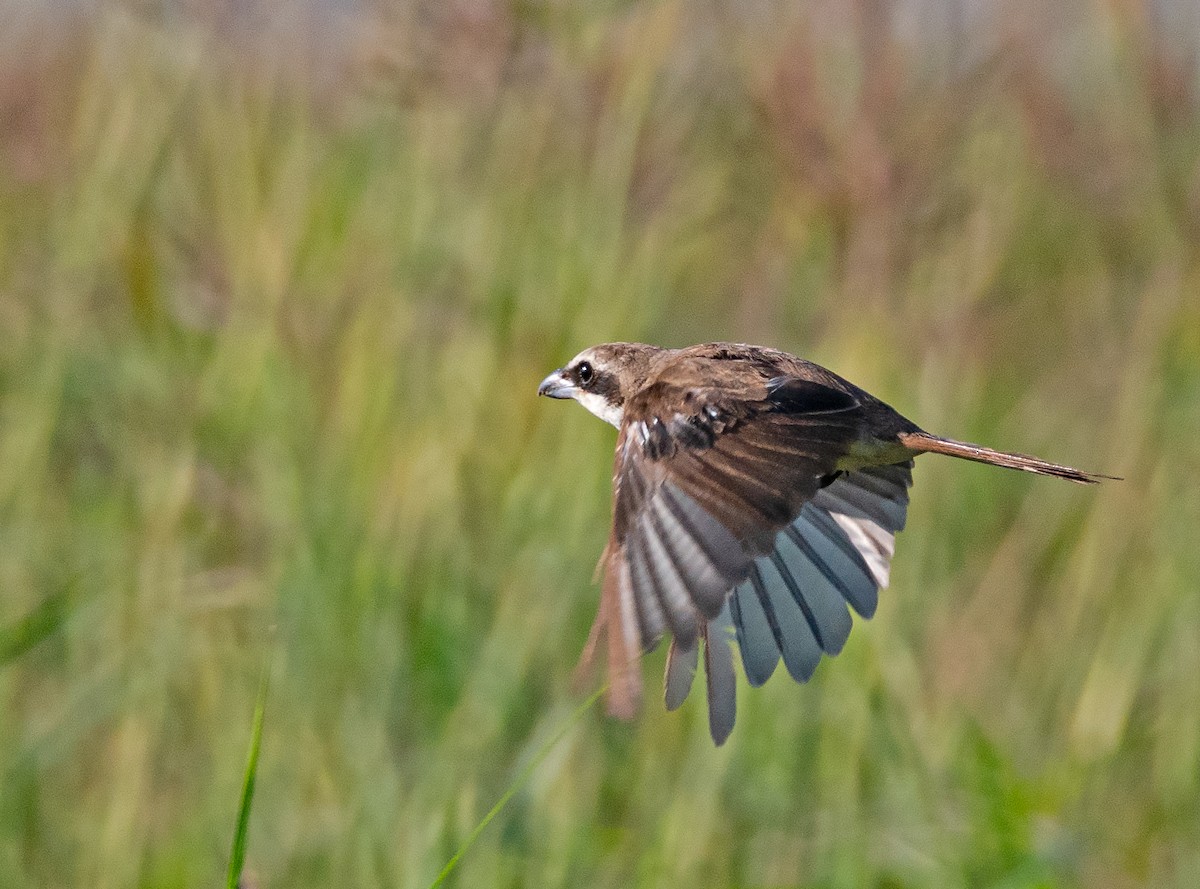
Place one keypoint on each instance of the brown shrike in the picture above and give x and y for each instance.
(756, 495)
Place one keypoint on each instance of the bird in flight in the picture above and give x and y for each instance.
(756, 495)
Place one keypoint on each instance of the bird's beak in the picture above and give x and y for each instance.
(556, 386)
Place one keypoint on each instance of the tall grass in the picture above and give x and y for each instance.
(236, 877)
(273, 308)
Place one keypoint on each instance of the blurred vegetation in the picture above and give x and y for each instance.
(276, 290)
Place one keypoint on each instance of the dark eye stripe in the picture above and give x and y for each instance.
(604, 384)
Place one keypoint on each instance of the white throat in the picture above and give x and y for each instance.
(598, 405)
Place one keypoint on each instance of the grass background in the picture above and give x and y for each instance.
(277, 286)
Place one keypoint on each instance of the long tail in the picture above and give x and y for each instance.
(924, 443)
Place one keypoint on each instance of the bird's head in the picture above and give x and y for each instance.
(602, 378)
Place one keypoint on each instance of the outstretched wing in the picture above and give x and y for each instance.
(731, 518)
(837, 553)
(793, 603)
(701, 493)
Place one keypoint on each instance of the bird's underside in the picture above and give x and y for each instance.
(756, 498)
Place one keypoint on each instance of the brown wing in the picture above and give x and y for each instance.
(700, 493)
(705, 478)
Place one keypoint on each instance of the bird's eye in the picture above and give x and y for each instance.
(584, 372)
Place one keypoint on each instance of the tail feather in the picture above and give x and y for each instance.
(924, 443)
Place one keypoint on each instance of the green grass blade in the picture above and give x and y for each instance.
(518, 782)
(41, 622)
(237, 857)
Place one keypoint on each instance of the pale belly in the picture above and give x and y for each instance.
(875, 452)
